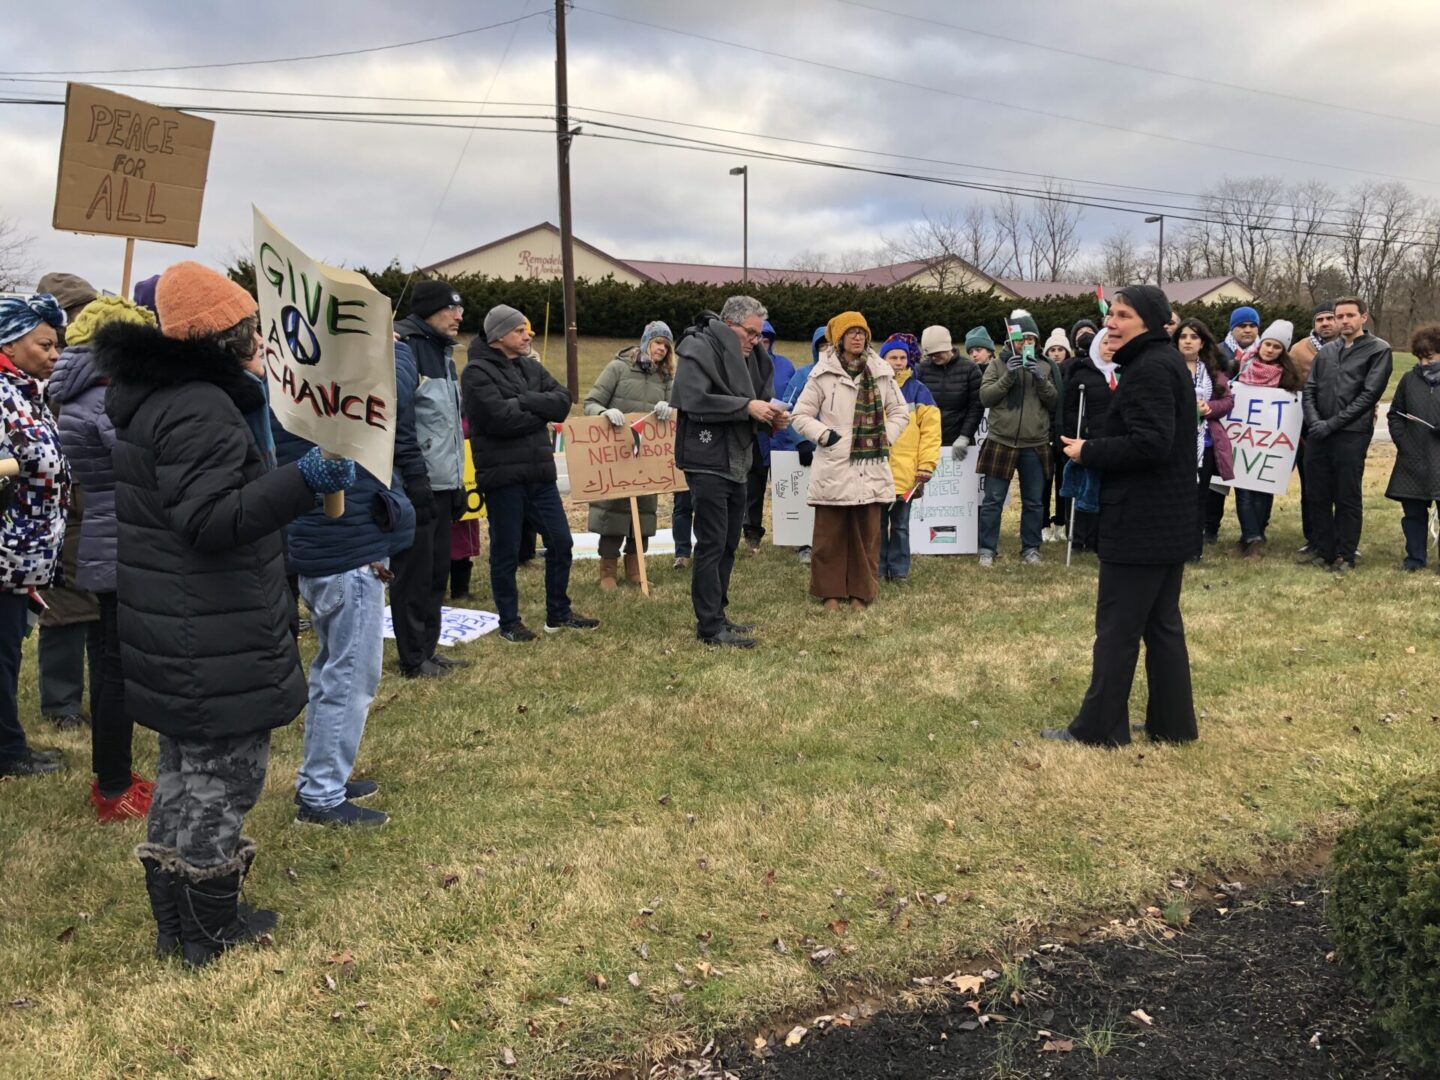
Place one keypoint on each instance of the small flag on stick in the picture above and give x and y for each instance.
(635, 429)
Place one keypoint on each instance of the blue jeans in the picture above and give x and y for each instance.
(895, 540)
(513, 509)
(681, 518)
(1032, 503)
(1252, 509)
(1416, 527)
(347, 611)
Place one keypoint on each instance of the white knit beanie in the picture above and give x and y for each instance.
(935, 339)
(1058, 338)
(1280, 330)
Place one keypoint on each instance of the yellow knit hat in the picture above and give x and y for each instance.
(846, 320)
(102, 310)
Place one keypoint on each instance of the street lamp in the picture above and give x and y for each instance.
(1160, 251)
(743, 171)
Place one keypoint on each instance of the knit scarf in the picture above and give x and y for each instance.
(1242, 353)
(868, 441)
(1430, 372)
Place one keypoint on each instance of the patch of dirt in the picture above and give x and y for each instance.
(1245, 995)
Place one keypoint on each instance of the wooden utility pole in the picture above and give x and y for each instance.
(567, 233)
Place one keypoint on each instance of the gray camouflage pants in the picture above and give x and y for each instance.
(203, 790)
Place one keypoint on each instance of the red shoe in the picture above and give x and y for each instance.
(148, 786)
(133, 802)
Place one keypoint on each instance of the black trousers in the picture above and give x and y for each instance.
(1334, 480)
(719, 510)
(1207, 497)
(1305, 525)
(1212, 510)
(422, 573)
(111, 730)
(757, 482)
(1135, 603)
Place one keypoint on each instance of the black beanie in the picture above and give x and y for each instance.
(1149, 302)
(429, 297)
(1325, 307)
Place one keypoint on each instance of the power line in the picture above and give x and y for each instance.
(286, 59)
(1003, 104)
(1131, 65)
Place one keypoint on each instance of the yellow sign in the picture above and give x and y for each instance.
(474, 501)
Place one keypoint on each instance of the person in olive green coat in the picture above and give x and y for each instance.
(638, 380)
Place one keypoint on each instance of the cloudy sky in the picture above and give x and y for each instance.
(1000, 95)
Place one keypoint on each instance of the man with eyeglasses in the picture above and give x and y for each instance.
(422, 571)
(724, 385)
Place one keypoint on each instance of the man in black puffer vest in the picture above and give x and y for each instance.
(510, 403)
(1146, 461)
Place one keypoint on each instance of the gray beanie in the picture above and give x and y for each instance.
(500, 320)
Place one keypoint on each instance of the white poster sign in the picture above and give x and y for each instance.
(329, 352)
(456, 625)
(1264, 430)
(792, 518)
(945, 519)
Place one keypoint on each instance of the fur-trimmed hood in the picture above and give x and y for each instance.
(138, 360)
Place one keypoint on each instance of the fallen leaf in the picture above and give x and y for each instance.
(703, 968)
(1144, 1017)
(429, 999)
(563, 1001)
(969, 1025)
(1058, 1046)
(598, 981)
(332, 986)
(437, 1070)
(770, 877)
(1410, 651)
(761, 1042)
(964, 984)
(796, 1034)
(822, 956)
(664, 800)
(66, 936)
(22, 1003)
(1315, 1039)
(779, 946)
(633, 979)
(838, 927)
(291, 874)
(361, 1005)
(449, 880)
(507, 1056)
(940, 898)
(337, 1015)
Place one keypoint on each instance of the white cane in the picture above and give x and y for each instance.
(1070, 532)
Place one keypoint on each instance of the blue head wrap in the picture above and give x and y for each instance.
(21, 314)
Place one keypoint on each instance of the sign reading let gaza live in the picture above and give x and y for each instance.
(329, 352)
(129, 168)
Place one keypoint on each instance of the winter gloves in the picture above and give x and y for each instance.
(961, 448)
(615, 417)
(830, 438)
(807, 454)
(1321, 431)
(1015, 362)
(663, 411)
(325, 476)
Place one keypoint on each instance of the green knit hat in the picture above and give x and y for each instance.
(1023, 319)
(979, 338)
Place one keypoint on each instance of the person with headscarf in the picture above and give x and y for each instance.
(914, 457)
(639, 380)
(1093, 378)
(34, 503)
(1146, 460)
(852, 411)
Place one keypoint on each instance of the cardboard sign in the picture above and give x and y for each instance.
(129, 168)
(329, 353)
(601, 461)
(1264, 429)
(792, 517)
(474, 499)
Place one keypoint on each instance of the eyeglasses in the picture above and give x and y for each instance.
(751, 336)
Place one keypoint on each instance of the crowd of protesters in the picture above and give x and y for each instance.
(161, 529)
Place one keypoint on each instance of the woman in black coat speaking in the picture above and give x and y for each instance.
(1146, 461)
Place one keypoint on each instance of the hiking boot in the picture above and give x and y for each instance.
(573, 621)
(1254, 551)
(727, 637)
(632, 568)
(1030, 557)
(739, 627)
(163, 889)
(354, 789)
(682, 562)
(31, 763)
(987, 559)
(428, 669)
(208, 899)
(609, 568)
(447, 663)
(516, 633)
(345, 813)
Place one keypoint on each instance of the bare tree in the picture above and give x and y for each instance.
(810, 261)
(1008, 220)
(16, 267)
(1380, 222)
(1051, 230)
(937, 241)
(980, 243)
(1244, 214)
(1419, 279)
(1121, 262)
(1307, 248)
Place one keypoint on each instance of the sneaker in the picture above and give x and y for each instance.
(68, 721)
(573, 621)
(682, 562)
(354, 789)
(804, 556)
(987, 559)
(739, 627)
(428, 669)
(1340, 566)
(31, 764)
(728, 637)
(133, 802)
(347, 813)
(1308, 550)
(1030, 557)
(516, 633)
(447, 662)
(753, 543)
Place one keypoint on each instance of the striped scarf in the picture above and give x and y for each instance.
(868, 441)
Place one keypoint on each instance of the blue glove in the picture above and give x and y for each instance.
(325, 476)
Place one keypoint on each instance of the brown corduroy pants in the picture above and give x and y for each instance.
(845, 552)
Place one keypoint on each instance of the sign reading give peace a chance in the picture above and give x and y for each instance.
(329, 352)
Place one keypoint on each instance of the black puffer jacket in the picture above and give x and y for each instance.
(204, 607)
(1146, 456)
(1417, 448)
(956, 389)
(1085, 377)
(509, 405)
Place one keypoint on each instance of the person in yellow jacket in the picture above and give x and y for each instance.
(913, 458)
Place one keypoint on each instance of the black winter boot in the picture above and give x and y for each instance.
(211, 919)
(160, 882)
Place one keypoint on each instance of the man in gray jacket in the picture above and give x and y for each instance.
(1345, 384)
(723, 387)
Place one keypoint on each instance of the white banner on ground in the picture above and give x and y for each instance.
(792, 518)
(1264, 430)
(456, 624)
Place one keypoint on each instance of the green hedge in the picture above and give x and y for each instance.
(609, 308)
(1385, 913)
